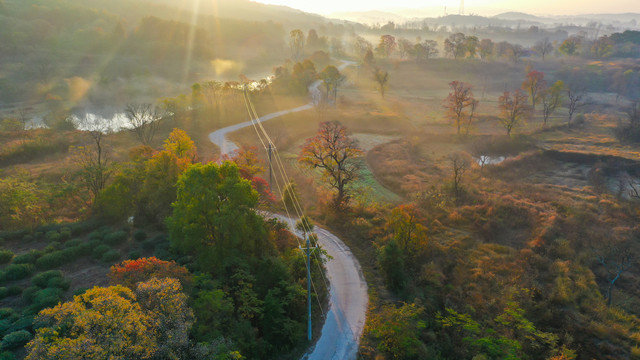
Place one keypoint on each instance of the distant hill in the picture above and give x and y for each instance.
(247, 10)
(370, 17)
(512, 15)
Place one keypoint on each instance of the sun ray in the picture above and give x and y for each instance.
(190, 41)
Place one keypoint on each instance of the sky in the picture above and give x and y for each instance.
(480, 7)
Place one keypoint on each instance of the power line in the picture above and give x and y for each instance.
(308, 250)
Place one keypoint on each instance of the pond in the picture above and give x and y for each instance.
(489, 159)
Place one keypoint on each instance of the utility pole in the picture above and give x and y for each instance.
(307, 252)
(269, 151)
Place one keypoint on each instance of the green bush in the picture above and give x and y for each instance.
(65, 234)
(160, 239)
(29, 257)
(53, 260)
(18, 271)
(27, 238)
(7, 355)
(148, 244)
(83, 227)
(10, 291)
(48, 297)
(15, 339)
(111, 256)
(59, 283)
(29, 294)
(54, 246)
(140, 235)
(86, 249)
(7, 312)
(96, 235)
(12, 235)
(3, 276)
(2, 241)
(5, 325)
(5, 256)
(134, 255)
(24, 322)
(72, 253)
(72, 243)
(94, 243)
(38, 235)
(47, 228)
(53, 235)
(99, 250)
(43, 278)
(116, 238)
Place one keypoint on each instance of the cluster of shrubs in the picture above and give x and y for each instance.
(33, 150)
(48, 286)
(5, 256)
(61, 250)
(46, 290)
(14, 331)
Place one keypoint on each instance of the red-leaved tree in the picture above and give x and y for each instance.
(459, 100)
(333, 152)
(131, 272)
(532, 84)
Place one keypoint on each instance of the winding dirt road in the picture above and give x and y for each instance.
(348, 300)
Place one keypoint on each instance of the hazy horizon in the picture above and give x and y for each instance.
(478, 7)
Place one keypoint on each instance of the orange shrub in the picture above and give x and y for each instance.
(130, 272)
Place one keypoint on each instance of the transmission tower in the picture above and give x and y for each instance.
(461, 7)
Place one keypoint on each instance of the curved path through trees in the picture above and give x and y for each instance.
(345, 319)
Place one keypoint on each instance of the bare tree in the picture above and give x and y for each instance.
(460, 163)
(455, 45)
(405, 48)
(514, 109)
(616, 258)
(431, 48)
(633, 114)
(24, 119)
(485, 48)
(93, 159)
(576, 96)
(479, 150)
(551, 98)
(361, 46)
(516, 52)
(44, 70)
(212, 91)
(634, 188)
(144, 120)
(543, 47)
(472, 113)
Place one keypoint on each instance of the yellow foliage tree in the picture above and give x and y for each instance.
(102, 323)
(116, 323)
(181, 145)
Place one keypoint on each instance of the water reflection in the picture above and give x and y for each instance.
(490, 160)
(104, 121)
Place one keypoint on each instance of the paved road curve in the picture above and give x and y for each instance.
(346, 317)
